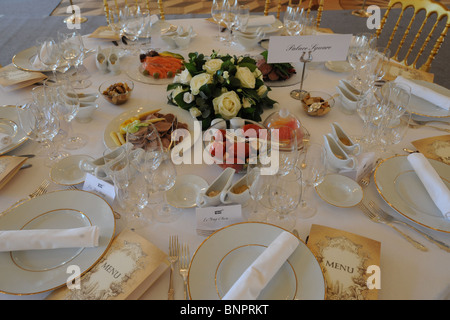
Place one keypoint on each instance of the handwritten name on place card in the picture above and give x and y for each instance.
(326, 47)
(213, 218)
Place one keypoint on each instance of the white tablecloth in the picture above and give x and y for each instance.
(406, 273)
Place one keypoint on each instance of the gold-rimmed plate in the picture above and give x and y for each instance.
(9, 124)
(36, 271)
(24, 60)
(223, 256)
(401, 188)
(340, 191)
(421, 107)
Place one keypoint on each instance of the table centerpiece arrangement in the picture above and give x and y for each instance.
(220, 86)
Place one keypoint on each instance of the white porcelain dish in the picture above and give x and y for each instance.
(268, 28)
(10, 125)
(222, 257)
(134, 70)
(181, 114)
(338, 66)
(24, 61)
(421, 107)
(67, 171)
(340, 191)
(185, 191)
(401, 188)
(36, 271)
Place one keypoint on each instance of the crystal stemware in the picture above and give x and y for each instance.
(285, 193)
(284, 141)
(242, 17)
(293, 20)
(312, 163)
(258, 186)
(216, 13)
(49, 54)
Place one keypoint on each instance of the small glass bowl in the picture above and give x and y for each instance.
(116, 91)
(324, 108)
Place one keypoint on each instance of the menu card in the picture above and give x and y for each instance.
(129, 268)
(437, 148)
(396, 69)
(12, 78)
(345, 259)
(9, 166)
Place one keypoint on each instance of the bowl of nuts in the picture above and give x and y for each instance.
(317, 103)
(116, 92)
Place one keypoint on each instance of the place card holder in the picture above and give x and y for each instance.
(300, 93)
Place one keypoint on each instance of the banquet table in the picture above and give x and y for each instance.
(406, 273)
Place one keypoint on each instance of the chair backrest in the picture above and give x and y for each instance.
(429, 26)
(311, 5)
(144, 3)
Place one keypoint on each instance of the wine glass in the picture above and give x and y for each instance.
(216, 13)
(312, 163)
(133, 23)
(49, 54)
(67, 105)
(229, 11)
(292, 20)
(40, 123)
(359, 54)
(258, 186)
(285, 194)
(284, 140)
(242, 17)
(73, 52)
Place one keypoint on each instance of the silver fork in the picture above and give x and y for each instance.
(173, 258)
(184, 266)
(40, 190)
(376, 218)
(384, 215)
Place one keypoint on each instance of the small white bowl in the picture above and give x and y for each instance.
(85, 112)
(67, 171)
(340, 191)
(249, 40)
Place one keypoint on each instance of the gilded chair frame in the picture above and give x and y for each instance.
(106, 7)
(431, 7)
(310, 4)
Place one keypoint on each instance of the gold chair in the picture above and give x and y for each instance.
(311, 6)
(137, 3)
(431, 9)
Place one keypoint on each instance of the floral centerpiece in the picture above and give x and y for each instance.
(220, 86)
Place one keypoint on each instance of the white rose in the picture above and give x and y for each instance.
(183, 77)
(227, 105)
(226, 75)
(262, 90)
(246, 77)
(195, 112)
(258, 74)
(212, 65)
(198, 81)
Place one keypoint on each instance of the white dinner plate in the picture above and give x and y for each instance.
(185, 191)
(67, 171)
(10, 125)
(267, 28)
(24, 61)
(338, 66)
(340, 191)
(293, 80)
(135, 71)
(421, 107)
(225, 255)
(194, 126)
(36, 271)
(401, 188)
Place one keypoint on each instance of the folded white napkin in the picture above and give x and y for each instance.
(425, 93)
(260, 21)
(261, 271)
(13, 240)
(5, 140)
(432, 182)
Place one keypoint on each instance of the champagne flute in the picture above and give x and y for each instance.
(216, 13)
(285, 194)
(312, 163)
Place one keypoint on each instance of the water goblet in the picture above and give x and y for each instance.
(49, 54)
(284, 141)
(312, 163)
(242, 17)
(216, 13)
(293, 20)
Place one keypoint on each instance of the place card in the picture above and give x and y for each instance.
(324, 47)
(104, 32)
(214, 218)
(102, 188)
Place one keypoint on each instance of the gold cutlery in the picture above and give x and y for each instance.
(173, 258)
(384, 215)
(184, 266)
(418, 124)
(40, 190)
(376, 218)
